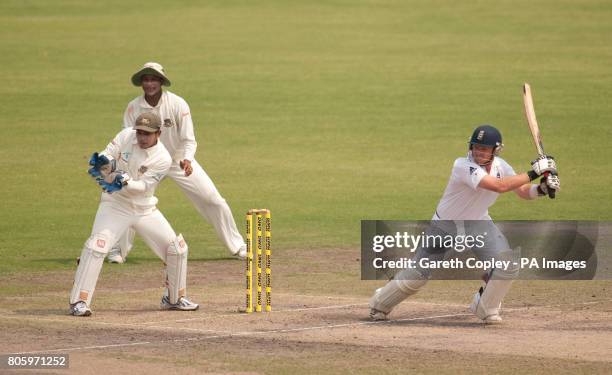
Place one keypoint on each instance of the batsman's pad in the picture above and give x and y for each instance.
(491, 298)
(512, 271)
(495, 290)
(405, 284)
(90, 264)
(176, 269)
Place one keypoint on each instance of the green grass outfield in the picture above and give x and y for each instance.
(327, 114)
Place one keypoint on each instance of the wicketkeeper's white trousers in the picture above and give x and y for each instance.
(111, 222)
(205, 197)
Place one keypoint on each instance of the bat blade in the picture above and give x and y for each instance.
(533, 125)
(531, 119)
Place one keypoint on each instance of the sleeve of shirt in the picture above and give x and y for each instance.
(507, 169)
(113, 149)
(469, 173)
(186, 133)
(148, 181)
(129, 116)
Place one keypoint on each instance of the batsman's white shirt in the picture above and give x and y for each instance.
(146, 167)
(177, 126)
(462, 198)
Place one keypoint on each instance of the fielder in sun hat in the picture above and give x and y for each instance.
(151, 68)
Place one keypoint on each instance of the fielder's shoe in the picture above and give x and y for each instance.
(490, 319)
(80, 309)
(378, 315)
(183, 304)
(114, 256)
(241, 253)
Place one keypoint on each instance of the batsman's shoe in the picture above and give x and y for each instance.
(183, 304)
(378, 315)
(80, 309)
(114, 256)
(490, 319)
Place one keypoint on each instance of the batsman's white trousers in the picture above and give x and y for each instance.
(201, 191)
(112, 221)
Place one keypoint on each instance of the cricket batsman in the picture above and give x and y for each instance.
(129, 170)
(474, 185)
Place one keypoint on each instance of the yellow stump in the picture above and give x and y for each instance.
(249, 260)
(268, 261)
(259, 255)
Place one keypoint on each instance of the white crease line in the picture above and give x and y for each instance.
(111, 324)
(154, 324)
(244, 333)
(557, 305)
(246, 315)
(288, 330)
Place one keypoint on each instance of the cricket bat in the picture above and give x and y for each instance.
(533, 126)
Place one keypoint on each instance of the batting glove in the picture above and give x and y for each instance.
(544, 164)
(547, 183)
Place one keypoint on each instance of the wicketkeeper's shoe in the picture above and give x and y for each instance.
(378, 315)
(183, 304)
(114, 256)
(80, 309)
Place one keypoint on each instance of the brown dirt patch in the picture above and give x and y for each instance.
(318, 324)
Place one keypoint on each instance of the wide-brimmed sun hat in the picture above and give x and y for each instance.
(153, 69)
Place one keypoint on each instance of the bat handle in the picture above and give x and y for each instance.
(551, 192)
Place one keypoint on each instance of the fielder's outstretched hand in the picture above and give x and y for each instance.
(544, 164)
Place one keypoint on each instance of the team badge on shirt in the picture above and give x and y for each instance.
(168, 123)
(142, 169)
(472, 170)
(125, 156)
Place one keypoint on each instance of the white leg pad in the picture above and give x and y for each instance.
(90, 264)
(176, 269)
(491, 298)
(397, 290)
(496, 288)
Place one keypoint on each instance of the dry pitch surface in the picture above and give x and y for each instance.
(319, 324)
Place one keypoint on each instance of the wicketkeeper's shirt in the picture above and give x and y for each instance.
(463, 199)
(146, 167)
(177, 126)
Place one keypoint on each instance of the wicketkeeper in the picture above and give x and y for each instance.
(474, 185)
(129, 170)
